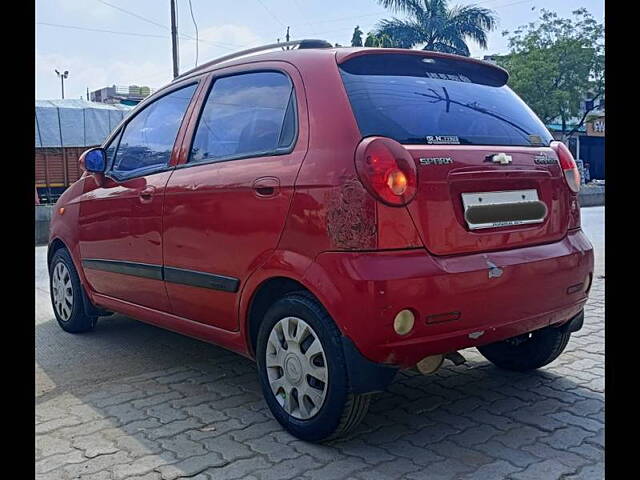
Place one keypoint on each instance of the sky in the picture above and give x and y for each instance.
(106, 42)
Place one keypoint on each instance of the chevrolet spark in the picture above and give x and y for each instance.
(336, 214)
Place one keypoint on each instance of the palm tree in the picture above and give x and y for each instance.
(436, 26)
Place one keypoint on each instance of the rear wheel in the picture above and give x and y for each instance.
(527, 352)
(66, 294)
(302, 370)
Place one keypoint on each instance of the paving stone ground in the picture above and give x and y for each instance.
(203, 417)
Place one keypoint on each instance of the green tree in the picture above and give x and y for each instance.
(435, 26)
(356, 39)
(380, 40)
(556, 64)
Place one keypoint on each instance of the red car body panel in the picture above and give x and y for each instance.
(233, 341)
(363, 260)
(530, 293)
(119, 221)
(223, 218)
(344, 54)
(441, 221)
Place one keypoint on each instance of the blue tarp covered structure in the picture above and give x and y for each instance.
(75, 123)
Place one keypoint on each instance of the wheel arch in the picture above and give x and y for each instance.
(265, 294)
(364, 375)
(55, 245)
(282, 273)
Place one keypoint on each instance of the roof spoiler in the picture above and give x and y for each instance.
(501, 75)
(301, 44)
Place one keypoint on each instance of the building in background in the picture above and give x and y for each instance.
(590, 148)
(587, 143)
(64, 129)
(119, 94)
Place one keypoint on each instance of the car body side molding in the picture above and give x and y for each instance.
(126, 268)
(201, 279)
(168, 274)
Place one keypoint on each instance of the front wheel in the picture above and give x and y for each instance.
(66, 294)
(529, 351)
(303, 373)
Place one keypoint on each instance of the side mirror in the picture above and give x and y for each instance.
(94, 160)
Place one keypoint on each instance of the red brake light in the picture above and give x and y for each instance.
(387, 170)
(568, 165)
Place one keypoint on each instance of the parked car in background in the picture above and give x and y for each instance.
(336, 214)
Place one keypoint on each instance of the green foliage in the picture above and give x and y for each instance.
(557, 63)
(380, 40)
(356, 39)
(434, 25)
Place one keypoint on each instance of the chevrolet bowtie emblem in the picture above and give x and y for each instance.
(501, 158)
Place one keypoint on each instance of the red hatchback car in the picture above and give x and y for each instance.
(336, 214)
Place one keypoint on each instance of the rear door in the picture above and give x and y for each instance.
(227, 201)
(120, 220)
(473, 141)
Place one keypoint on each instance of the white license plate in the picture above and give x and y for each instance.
(495, 198)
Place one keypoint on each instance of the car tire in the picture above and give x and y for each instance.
(312, 347)
(67, 295)
(529, 351)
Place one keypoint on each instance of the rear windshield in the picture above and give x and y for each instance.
(419, 100)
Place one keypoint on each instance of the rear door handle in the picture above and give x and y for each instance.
(146, 194)
(266, 186)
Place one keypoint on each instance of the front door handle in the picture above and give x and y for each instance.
(146, 194)
(266, 186)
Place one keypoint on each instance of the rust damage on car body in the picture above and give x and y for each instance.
(351, 217)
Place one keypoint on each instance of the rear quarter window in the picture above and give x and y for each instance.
(419, 100)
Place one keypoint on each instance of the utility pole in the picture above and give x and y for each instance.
(174, 38)
(287, 39)
(62, 77)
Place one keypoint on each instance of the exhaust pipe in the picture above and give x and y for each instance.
(432, 363)
(456, 358)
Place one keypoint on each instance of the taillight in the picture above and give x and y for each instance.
(568, 165)
(387, 170)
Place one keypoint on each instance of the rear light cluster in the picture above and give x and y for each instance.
(572, 179)
(387, 170)
(568, 165)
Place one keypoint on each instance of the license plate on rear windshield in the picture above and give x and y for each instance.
(500, 209)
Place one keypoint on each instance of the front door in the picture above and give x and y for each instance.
(227, 201)
(120, 220)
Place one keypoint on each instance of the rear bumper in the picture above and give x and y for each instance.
(496, 295)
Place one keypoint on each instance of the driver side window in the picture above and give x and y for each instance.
(147, 140)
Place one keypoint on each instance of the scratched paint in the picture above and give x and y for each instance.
(351, 217)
